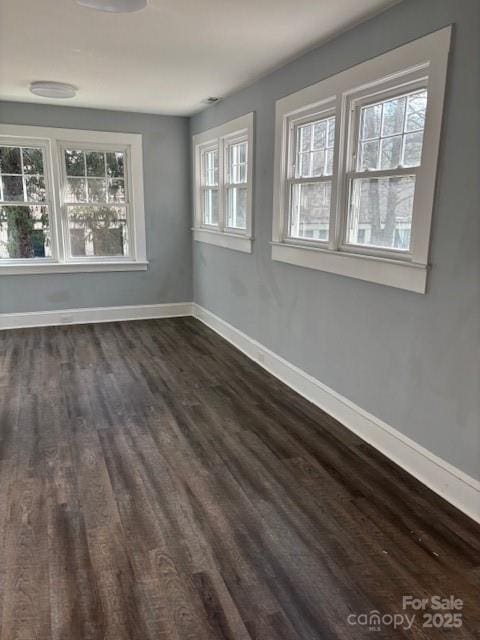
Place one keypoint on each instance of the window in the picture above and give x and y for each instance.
(387, 155)
(209, 163)
(66, 201)
(24, 204)
(223, 160)
(236, 184)
(310, 178)
(96, 202)
(355, 164)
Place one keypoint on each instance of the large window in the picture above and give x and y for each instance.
(96, 202)
(66, 201)
(355, 163)
(223, 184)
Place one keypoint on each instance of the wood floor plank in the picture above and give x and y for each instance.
(156, 484)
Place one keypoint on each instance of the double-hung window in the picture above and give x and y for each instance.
(387, 154)
(236, 183)
(355, 165)
(70, 200)
(96, 201)
(209, 188)
(309, 183)
(25, 201)
(223, 170)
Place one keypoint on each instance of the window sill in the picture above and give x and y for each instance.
(71, 267)
(223, 239)
(392, 273)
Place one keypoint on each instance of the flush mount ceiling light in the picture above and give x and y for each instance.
(58, 90)
(114, 6)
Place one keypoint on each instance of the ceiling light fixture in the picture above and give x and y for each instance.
(114, 6)
(58, 90)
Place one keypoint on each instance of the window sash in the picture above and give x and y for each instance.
(203, 191)
(95, 258)
(204, 170)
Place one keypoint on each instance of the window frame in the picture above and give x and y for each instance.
(63, 145)
(44, 145)
(418, 64)
(238, 130)
(54, 141)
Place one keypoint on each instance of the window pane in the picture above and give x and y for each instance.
(210, 206)
(329, 163)
(76, 190)
(75, 163)
(32, 160)
(386, 140)
(116, 190)
(318, 163)
(210, 168)
(10, 160)
(380, 214)
(95, 163)
(115, 164)
(12, 188)
(393, 116)
(416, 108)
(305, 138)
(35, 187)
(310, 210)
(24, 232)
(371, 121)
(391, 151)
(412, 154)
(369, 155)
(98, 231)
(320, 135)
(97, 190)
(237, 207)
(314, 154)
(237, 162)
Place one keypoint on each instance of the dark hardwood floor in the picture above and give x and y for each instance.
(158, 485)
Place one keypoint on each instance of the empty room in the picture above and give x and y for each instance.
(239, 319)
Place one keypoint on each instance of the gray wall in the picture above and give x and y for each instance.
(409, 359)
(166, 165)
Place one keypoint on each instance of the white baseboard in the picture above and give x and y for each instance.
(94, 314)
(451, 483)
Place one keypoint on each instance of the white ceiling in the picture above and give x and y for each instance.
(166, 59)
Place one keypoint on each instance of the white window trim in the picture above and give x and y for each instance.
(52, 141)
(425, 58)
(221, 136)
